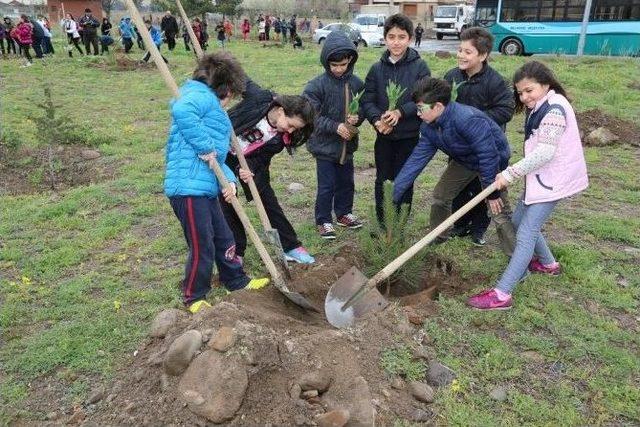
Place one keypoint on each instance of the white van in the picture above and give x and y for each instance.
(452, 20)
(369, 22)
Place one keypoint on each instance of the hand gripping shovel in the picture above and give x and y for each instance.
(271, 233)
(278, 282)
(353, 296)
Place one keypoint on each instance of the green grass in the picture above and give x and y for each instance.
(113, 250)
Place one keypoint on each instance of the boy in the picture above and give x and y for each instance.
(477, 148)
(483, 88)
(156, 36)
(332, 142)
(127, 33)
(396, 126)
(199, 132)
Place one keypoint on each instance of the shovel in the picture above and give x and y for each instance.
(277, 279)
(353, 296)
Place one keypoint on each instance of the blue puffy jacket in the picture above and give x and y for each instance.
(199, 126)
(156, 35)
(465, 134)
(126, 29)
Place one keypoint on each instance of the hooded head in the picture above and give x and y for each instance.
(338, 55)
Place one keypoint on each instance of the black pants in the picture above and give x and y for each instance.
(171, 40)
(11, 45)
(210, 240)
(71, 40)
(4, 52)
(418, 41)
(186, 42)
(25, 51)
(476, 221)
(47, 46)
(335, 190)
(37, 47)
(390, 157)
(278, 220)
(148, 55)
(128, 44)
(91, 39)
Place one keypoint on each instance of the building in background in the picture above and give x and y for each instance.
(75, 7)
(418, 10)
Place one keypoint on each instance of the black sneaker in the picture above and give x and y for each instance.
(478, 240)
(327, 231)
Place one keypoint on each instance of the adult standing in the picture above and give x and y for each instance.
(284, 26)
(418, 35)
(11, 43)
(23, 34)
(277, 28)
(70, 27)
(169, 25)
(90, 25)
(293, 27)
(267, 27)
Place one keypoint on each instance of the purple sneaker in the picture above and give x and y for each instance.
(535, 266)
(488, 300)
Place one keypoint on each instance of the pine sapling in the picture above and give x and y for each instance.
(454, 89)
(394, 92)
(354, 108)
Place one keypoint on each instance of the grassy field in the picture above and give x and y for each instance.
(83, 271)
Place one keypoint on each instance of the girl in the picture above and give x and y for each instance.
(266, 124)
(553, 167)
(70, 27)
(200, 131)
(23, 34)
(106, 27)
(246, 28)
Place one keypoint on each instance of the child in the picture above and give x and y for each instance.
(23, 34)
(482, 87)
(127, 32)
(296, 41)
(246, 28)
(397, 126)
(266, 124)
(331, 134)
(201, 128)
(156, 36)
(70, 27)
(554, 169)
(220, 30)
(476, 145)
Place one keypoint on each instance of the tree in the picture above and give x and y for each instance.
(200, 7)
(107, 6)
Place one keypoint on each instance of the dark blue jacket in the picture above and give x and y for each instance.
(465, 134)
(406, 72)
(327, 95)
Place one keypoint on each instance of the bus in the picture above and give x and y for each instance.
(524, 27)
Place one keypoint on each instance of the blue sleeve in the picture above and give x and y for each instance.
(477, 133)
(417, 161)
(409, 108)
(314, 93)
(188, 116)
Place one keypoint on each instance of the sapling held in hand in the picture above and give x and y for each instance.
(394, 93)
(354, 108)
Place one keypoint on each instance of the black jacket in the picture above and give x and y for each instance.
(406, 72)
(89, 24)
(169, 25)
(38, 32)
(327, 95)
(487, 91)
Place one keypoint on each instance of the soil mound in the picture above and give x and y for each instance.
(590, 120)
(265, 361)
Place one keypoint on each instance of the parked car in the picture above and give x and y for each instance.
(321, 33)
(369, 38)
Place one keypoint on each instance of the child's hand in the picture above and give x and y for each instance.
(228, 193)
(501, 182)
(343, 131)
(495, 205)
(391, 117)
(352, 119)
(382, 127)
(245, 175)
(209, 158)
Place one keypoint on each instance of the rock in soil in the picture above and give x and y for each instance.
(295, 187)
(335, 418)
(295, 391)
(421, 391)
(420, 415)
(163, 322)
(397, 383)
(220, 380)
(499, 394)
(601, 136)
(316, 380)
(96, 396)
(90, 154)
(181, 352)
(439, 375)
(223, 340)
(309, 394)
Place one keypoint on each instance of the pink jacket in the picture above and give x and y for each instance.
(23, 32)
(566, 174)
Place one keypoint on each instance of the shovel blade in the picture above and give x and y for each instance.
(295, 297)
(343, 289)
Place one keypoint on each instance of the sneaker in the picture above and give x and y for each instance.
(300, 255)
(350, 221)
(327, 231)
(255, 284)
(535, 266)
(478, 240)
(198, 305)
(488, 300)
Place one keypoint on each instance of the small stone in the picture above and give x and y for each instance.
(315, 380)
(295, 187)
(110, 398)
(309, 394)
(193, 397)
(223, 340)
(499, 394)
(421, 391)
(289, 346)
(295, 391)
(335, 418)
(90, 154)
(420, 415)
(397, 383)
(439, 375)
(163, 322)
(181, 352)
(164, 382)
(601, 136)
(314, 400)
(415, 318)
(386, 393)
(207, 334)
(443, 54)
(96, 396)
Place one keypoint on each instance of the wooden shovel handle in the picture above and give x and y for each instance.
(194, 40)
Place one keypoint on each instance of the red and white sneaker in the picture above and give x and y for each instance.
(535, 266)
(488, 300)
(327, 231)
(350, 221)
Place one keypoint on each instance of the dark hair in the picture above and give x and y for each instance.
(539, 72)
(431, 90)
(340, 55)
(296, 105)
(222, 72)
(399, 21)
(480, 38)
(87, 10)
(24, 17)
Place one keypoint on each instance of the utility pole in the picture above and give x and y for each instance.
(583, 29)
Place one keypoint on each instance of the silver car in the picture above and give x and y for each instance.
(321, 33)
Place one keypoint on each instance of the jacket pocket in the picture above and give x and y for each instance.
(542, 184)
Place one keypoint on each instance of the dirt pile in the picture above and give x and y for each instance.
(594, 125)
(257, 359)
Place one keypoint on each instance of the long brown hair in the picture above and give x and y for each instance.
(540, 73)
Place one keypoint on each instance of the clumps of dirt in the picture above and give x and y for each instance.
(119, 62)
(599, 128)
(60, 167)
(634, 85)
(255, 358)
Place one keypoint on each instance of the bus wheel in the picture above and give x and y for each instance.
(512, 47)
(439, 36)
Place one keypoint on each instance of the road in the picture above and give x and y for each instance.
(449, 44)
